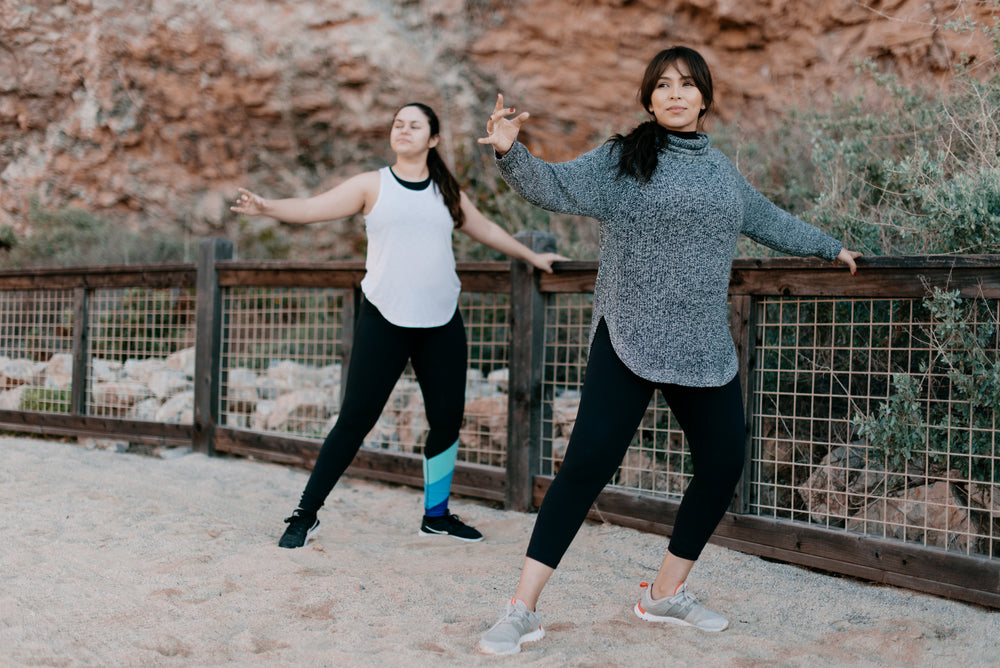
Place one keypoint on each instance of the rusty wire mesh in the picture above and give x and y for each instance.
(36, 344)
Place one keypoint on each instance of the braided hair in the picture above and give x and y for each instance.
(638, 151)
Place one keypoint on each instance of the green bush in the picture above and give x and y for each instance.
(73, 236)
(898, 169)
(45, 399)
(946, 410)
(917, 173)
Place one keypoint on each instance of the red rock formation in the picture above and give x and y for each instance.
(151, 113)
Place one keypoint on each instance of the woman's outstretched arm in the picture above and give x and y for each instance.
(355, 195)
(480, 228)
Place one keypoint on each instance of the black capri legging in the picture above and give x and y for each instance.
(612, 404)
(381, 350)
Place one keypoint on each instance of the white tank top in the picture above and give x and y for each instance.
(410, 269)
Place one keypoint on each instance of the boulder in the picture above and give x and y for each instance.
(931, 514)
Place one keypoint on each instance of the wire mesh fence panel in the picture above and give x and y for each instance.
(567, 333)
(141, 361)
(36, 350)
(879, 417)
(282, 371)
(483, 438)
(657, 460)
(280, 359)
(403, 427)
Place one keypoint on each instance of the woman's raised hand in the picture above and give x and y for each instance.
(249, 203)
(502, 131)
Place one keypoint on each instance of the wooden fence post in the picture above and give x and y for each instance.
(527, 348)
(352, 309)
(208, 319)
(81, 351)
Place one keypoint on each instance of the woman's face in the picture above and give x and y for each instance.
(676, 101)
(411, 132)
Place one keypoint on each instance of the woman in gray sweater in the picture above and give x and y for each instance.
(671, 209)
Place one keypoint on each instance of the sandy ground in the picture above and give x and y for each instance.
(119, 559)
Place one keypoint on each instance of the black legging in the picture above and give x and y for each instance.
(381, 350)
(612, 404)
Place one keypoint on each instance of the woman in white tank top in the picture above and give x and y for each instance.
(409, 312)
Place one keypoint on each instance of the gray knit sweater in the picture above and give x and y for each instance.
(666, 249)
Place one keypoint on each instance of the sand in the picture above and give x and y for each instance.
(123, 559)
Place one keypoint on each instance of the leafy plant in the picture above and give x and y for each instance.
(897, 431)
(45, 400)
(72, 236)
(948, 413)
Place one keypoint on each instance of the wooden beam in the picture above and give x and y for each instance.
(473, 480)
(930, 570)
(61, 424)
(129, 276)
(877, 278)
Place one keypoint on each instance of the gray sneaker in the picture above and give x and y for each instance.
(680, 609)
(517, 625)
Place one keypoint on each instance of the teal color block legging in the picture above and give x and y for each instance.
(612, 404)
(381, 349)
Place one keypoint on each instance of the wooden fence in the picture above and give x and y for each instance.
(766, 519)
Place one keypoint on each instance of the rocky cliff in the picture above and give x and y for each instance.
(152, 112)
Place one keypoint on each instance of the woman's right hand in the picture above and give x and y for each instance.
(249, 203)
(502, 131)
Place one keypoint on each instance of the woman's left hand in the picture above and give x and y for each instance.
(847, 257)
(544, 261)
(501, 132)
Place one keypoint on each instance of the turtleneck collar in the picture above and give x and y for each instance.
(691, 143)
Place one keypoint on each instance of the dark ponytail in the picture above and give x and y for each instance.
(440, 174)
(639, 150)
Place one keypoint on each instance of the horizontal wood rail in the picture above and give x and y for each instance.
(472, 480)
(935, 571)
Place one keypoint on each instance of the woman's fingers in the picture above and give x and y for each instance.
(847, 257)
(246, 202)
(501, 131)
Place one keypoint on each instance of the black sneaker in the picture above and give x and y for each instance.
(301, 527)
(449, 525)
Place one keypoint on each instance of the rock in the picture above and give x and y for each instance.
(16, 372)
(500, 378)
(564, 409)
(179, 409)
(930, 515)
(141, 370)
(241, 391)
(843, 480)
(168, 382)
(115, 398)
(111, 445)
(287, 374)
(642, 471)
(145, 410)
(261, 411)
(167, 452)
(59, 372)
(484, 431)
(182, 360)
(158, 116)
(103, 371)
(10, 400)
(300, 412)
